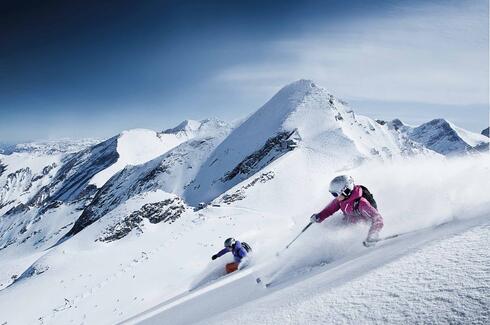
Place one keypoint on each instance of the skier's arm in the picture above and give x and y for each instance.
(222, 252)
(373, 215)
(330, 209)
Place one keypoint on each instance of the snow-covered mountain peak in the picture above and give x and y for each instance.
(212, 127)
(184, 126)
(303, 115)
(396, 124)
(446, 138)
(439, 123)
(286, 101)
(297, 89)
(301, 105)
(203, 128)
(138, 146)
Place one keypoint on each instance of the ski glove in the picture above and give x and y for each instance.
(214, 257)
(314, 218)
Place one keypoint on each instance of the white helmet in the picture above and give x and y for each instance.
(341, 185)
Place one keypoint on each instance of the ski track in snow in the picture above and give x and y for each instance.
(447, 281)
(76, 300)
(441, 275)
(125, 268)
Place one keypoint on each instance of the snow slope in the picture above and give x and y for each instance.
(471, 138)
(89, 280)
(433, 276)
(452, 201)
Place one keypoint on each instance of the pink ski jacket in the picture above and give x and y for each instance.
(364, 212)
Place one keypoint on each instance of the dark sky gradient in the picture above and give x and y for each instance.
(94, 68)
(128, 49)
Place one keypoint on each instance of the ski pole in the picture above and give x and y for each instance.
(302, 231)
(292, 241)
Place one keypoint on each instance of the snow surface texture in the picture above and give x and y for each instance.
(410, 280)
(446, 281)
(136, 243)
(135, 274)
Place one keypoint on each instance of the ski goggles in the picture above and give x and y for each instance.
(346, 192)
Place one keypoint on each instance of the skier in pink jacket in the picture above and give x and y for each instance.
(356, 207)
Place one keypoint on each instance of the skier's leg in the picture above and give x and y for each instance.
(244, 262)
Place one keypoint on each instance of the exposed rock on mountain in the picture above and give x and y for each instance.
(164, 211)
(271, 150)
(485, 132)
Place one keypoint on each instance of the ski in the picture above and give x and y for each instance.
(372, 243)
(387, 237)
(297, 272)
(409, 232)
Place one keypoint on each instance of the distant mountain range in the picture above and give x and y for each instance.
(444, 137)
(48, 147)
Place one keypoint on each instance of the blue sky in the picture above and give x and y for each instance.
(94, 68)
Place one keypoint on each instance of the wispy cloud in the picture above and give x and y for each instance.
(435, 53)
